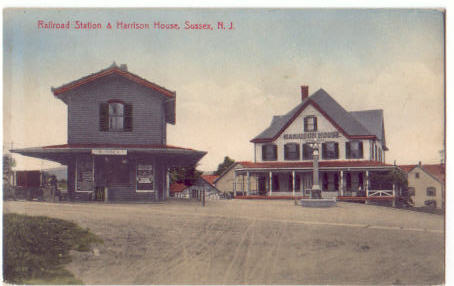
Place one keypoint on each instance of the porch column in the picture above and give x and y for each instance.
(167, 183)
(234, 183)
(293, 185)
(271, 183)
(366, 185)
(341, 183)
(248, 187)
(394, 195)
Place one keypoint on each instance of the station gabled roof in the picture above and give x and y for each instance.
(122, 71)
(351, 125)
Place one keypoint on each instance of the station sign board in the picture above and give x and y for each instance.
(118, 152)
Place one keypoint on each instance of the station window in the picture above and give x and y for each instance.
(330, 150)
(115, 115)
(354, 149)
(269, 152)
(291, 151)
(310, 123)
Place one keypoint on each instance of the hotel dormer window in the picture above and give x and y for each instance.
(354, 149)
(291, 151)
(310, 123)
(115, 116)
(269, 152)
(330, 150)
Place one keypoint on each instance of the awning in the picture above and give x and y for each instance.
(306, 166)
(171, 156)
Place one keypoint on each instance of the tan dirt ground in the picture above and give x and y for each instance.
(252, 242)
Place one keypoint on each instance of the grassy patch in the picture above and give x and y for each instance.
(36, 248)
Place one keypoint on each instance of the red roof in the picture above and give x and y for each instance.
(114, 69)
(435, 170)
(90, 145)
(177, 187)
(308, 164)
(210, 178)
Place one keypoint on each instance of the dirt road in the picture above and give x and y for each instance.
(252, 242)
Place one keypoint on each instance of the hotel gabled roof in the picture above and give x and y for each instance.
(352, 125)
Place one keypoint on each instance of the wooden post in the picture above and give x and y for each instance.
(341, 183)
(394, 195)
(106, 194)
(203, 197)
(248, 187)
(293, 183)
(366, 186)
(271, 183)
(234, 183)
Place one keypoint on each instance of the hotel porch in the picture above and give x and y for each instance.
(345, 181)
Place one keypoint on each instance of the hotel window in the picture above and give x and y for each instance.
(330, 150)
(291, 151)
(115, 116)
(354, 149)
(310, 123)
(430, 192)
(307, 152)
(269, 152)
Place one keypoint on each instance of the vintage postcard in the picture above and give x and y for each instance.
(223, 146)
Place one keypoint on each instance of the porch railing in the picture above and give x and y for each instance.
(380, 193)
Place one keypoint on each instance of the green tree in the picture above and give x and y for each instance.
(224, 165)
(185, 175)
(385, 180)
(8, 164)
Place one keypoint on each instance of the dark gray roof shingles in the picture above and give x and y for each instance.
(347, 121)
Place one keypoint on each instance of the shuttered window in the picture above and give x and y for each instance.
(104, 117)
(307, 152)
(269, 152)
(330, 150)
(115, 116)
(291, 151)
(310, 123)
(354, 150)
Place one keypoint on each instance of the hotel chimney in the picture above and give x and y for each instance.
(304, 92)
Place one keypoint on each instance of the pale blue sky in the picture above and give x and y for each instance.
(230, 83)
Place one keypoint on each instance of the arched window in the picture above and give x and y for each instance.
(291, 151)
(115, 115)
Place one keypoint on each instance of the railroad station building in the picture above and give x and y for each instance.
(352, 148)
(117, 141)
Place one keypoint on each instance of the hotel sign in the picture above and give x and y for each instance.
(312, 135)
(109, 152)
